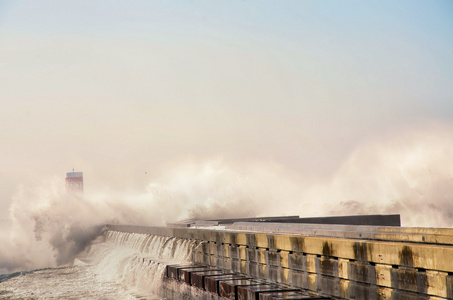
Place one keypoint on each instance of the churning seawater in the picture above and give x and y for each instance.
(116, 266)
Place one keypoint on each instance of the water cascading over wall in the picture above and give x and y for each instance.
(139, 260)
(346, 262)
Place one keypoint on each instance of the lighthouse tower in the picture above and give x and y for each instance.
(74, 181)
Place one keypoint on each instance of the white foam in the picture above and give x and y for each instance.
(125, 266)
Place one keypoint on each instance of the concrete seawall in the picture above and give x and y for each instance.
(342, 261)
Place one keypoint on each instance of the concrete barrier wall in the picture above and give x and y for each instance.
(340, 267)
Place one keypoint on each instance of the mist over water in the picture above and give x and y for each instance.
(116, 266)
(407, 172)
(189, 109)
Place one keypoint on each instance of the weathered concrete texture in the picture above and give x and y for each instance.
(382, 233)
(289, 296)
(184, 274)
(229, 288)
(173, 289)
(172, 270)
(348, 268)
(253, 292)
(212, 282)
(198, 277)
(226, 285)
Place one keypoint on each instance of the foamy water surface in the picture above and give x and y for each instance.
(124, 266)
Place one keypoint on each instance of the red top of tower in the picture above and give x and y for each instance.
(74, 181)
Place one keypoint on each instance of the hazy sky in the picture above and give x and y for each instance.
(119, 88)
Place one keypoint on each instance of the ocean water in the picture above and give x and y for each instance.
(116, 266)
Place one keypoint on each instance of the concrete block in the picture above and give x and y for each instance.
(206, 259)
(450, 286)
(405, 295)
(211, 283)
(284, 259)
(227, 263)
(253, 292)
(362, 272)
(436, 283)
(384, 293)
(219, 250)
(428, 282)
(239, 266)
(277, 258)
(197, 277)
(219, 262)
(172, 270)
(271, 245)
(240, 238)
(310, 263)
(289, 243)
(263, 271)
(180, 268)
(228, 237)
(407, 279)
(197, 257)
(422, 282)
(244, 266)
(261, 255)
(272, 258)
(327, 266)
(212, 260)
(312, 282)
(233, 252)
(298, 278)
(273, 274)
(205, 248)
(297, 261)
(290, 296)
(345, 288)
(226, 250)
(236, 265)
(228, 288)
(284, 276)
(343, 268)
(250, 240)
(212, 248)
(252, 255)
(256, 255)
(428, 257)
(329, 285)
(261, 240)
(356, 290)
(252, 270)
(383, 275)
(242, 252)
(184, 273)
(365, 291)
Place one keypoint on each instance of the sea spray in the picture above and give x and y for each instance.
(406, 172)
(139, 260)
(116, 265)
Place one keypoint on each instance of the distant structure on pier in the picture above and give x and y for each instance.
(74, 181)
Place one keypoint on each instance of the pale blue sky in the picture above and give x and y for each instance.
(114, 87)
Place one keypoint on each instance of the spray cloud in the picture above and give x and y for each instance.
(406, 172)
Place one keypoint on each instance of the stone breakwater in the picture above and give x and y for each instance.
(337, 261)
(223, 284)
